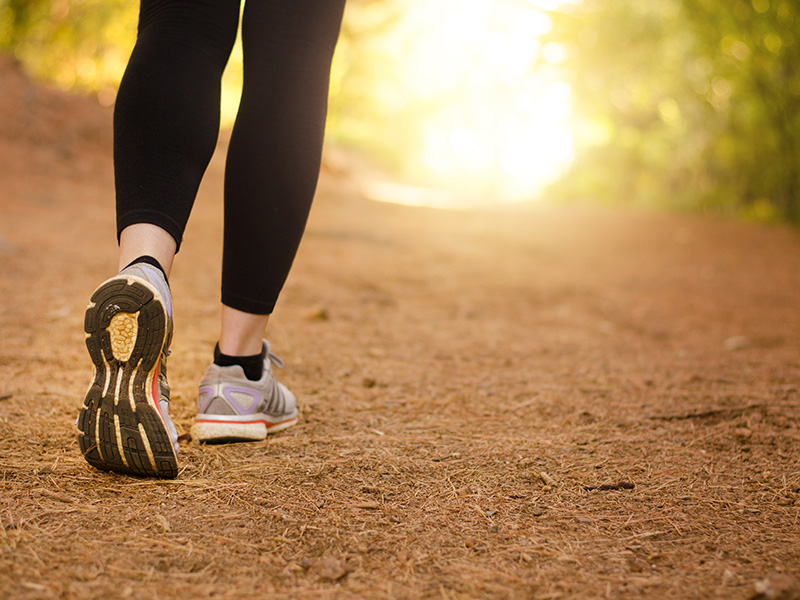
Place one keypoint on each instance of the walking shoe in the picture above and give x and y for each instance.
(233, 408)
(124, 425)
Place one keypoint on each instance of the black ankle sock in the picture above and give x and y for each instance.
(152, 262)
(253, 365)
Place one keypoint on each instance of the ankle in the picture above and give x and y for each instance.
(241, 333)
(147, 239)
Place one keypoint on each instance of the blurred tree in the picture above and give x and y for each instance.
(78, 44)
(754, 86)
(692, 102)
(17, 17)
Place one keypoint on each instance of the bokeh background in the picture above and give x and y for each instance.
(687, 105)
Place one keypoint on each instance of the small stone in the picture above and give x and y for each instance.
(330, 569)
(163, 523)
(639, 565)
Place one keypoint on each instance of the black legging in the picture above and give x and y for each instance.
(166, 124)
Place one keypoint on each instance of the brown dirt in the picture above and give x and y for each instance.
(472, 384)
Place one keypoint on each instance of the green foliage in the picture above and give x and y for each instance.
(691, 102)
(78, 44)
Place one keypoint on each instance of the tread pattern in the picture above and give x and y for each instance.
(119, 406)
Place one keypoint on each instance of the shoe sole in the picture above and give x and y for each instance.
(218, 430)
(121, 428)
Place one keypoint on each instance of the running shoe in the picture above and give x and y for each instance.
(124, 425)
(233, 408)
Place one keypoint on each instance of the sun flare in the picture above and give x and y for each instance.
(502, 132)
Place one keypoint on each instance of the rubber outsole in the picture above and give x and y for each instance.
(120, 425)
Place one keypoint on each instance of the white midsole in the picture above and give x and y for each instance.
(256, 430)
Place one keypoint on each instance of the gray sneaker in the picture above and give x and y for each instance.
(124, 425)
(234, 409)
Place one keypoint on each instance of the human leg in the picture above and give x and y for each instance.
(276, 144)
(271, 176)
(165, 127)
(166, 119)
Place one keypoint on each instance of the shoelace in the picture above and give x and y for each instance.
(275, 359)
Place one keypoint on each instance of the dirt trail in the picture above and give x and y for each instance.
(475, 386)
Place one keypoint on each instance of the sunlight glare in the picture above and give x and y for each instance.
(503, 131)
